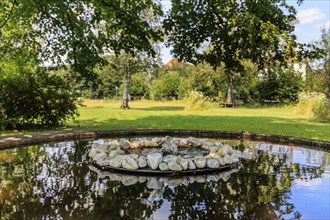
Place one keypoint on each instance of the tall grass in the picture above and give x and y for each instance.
(315, 105)
(197, 101)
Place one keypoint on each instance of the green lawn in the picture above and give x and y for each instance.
(107, 115)
(99, 115)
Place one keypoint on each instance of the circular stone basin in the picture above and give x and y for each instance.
(164, 156)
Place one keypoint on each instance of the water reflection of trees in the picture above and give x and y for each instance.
(54, 181)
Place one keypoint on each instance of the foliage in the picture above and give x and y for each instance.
(36, 98)
(139, 88)
(229, 31)
(279, 85)
(318, 76)
(246, 82)
(168, 87)
(79, 32)
(196, 101)
(206, 80)
(315, 105)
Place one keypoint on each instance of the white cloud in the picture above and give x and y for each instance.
(310, 15)
(325, 25)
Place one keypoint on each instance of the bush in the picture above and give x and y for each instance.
(138, 88)
(279, 85)
(35, 98)
(170, 86)
(316, 105)
(197, 101)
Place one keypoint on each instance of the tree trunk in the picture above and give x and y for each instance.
(126, 85)
(230, 90)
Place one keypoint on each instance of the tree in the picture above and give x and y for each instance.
(318, 77)
(231, 31)
(78, 32)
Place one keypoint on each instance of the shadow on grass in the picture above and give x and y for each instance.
(161, 108)
(266, 125)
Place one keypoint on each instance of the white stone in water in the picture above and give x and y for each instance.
(124, 144)
(134, 156)
(174, 166)
(116, 152)
(129, 180)
(174, 182)
(212, 163)
(163, 179)
(158, 140)
(213, 177)
(117, 161)
(94, 151)
(176, 141)
(170, 158)
(183, 142)
(234, 158)
(149, 143)
(105, 162)
(142, 179)
(218, 144)
(214, 149)
(194, 141)
(135, 145)
(142, 161)
(212, 155)
(229, 149)
(100, 156)
(153, 183)
(238, 153)
(227, 159)
(129, 163)
(184, 163)
(221, 161)
(200, 179)
(154, 160)
(113, 144)
(185, 181)
(170, 147)
(116, 177)
(191, 165)
(200, 162)
(163, 166)
(207, 145)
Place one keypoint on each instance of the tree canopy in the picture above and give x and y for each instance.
(78, 32)
(228, 32)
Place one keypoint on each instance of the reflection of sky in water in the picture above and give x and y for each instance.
(60, 179)
(311, 196)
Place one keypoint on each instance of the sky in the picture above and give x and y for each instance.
(312, 15)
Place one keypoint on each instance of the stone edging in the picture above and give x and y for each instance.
(7, 142)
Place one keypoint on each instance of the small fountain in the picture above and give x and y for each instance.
(164, 156)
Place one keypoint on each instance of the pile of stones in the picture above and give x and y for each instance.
(162, 154)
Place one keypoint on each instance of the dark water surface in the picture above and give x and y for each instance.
(55, 181)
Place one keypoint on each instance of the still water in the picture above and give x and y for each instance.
(55, 181)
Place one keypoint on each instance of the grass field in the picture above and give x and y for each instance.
(104, 115)
(107, 115)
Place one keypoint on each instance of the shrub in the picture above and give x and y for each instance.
(170, 86)
(315, 105)
(36, 98)
(279, 85)
(196, 101)
(138, 87)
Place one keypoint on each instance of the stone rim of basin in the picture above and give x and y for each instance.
(163, 154)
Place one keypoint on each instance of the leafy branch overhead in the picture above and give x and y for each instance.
(229, 31)
(79, 32)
